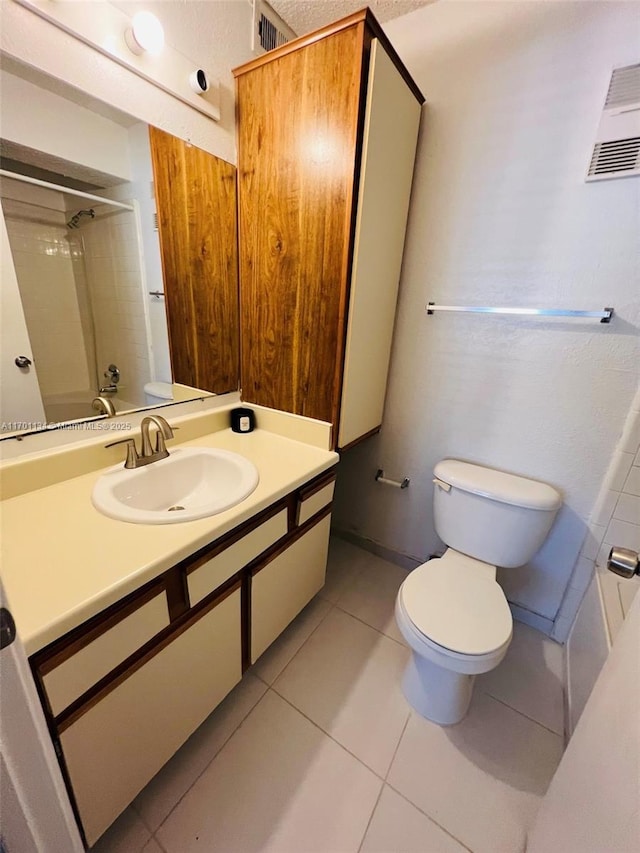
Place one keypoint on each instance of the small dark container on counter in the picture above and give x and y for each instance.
(243, 420)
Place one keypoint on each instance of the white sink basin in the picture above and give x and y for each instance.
(193, 482)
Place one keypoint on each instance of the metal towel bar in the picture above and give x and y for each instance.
(604, 316)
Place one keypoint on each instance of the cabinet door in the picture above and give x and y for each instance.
(283, 586)
(385, 188)
(196, 200)
(98, 655)
(211, 574)
(297, 132)
(120, 743)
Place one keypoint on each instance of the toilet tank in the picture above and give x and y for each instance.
(499, 518)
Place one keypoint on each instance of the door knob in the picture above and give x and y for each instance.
(624, 562)
(22, 361)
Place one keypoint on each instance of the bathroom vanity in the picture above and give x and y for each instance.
(135, 633)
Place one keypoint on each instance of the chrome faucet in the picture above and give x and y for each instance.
(147, 454)
(104, 406)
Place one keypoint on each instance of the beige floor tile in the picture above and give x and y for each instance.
(371, 595)
(530, 678)
(483, 779)
(152, 846)
(347, 679)
(344, 564)
(279, 785)
(155, 802)
(399, 827)
(269, 666)
(127, 835)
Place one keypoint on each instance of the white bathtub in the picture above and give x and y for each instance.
(76, 405)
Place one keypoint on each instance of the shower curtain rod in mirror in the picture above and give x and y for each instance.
(16, 176)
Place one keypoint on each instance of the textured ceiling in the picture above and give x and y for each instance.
(303, 16)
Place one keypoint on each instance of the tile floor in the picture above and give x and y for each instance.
(317, 750)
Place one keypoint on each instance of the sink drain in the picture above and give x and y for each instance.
(174, 508)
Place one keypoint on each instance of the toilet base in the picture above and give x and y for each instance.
(439, 694)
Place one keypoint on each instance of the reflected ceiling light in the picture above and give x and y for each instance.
(145, 34)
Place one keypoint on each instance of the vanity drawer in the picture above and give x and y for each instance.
(281, 588)
(115, 747)
(211, 574)
(315, 499)
(80, 669)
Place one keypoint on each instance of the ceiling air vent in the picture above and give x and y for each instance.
(269, 29)
(616, 153)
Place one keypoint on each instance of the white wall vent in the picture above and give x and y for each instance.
(616, 153)
(269, 29)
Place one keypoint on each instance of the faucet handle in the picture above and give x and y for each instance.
(132, 452)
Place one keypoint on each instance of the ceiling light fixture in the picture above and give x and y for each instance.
(145, 34)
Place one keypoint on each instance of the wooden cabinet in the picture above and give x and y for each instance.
(123, 691)
(327, 133)
(196, 202)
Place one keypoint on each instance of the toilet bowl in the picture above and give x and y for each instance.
(455, 618)
(451, 611)
(157, 393)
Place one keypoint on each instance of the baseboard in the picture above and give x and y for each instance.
(402, 560)
(520, 614)
(534, 620)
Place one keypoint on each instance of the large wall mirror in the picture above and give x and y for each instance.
(117, 280)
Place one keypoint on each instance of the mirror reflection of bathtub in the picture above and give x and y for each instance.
(82, 279)
(71, 406)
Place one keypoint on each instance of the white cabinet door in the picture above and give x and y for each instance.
(20, 400)
(389, 150)
(119, 744)
(593, 802)
(281, 589)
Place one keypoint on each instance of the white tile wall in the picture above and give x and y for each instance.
(615, 520)
(115, 278)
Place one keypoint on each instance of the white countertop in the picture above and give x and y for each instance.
(63, 561)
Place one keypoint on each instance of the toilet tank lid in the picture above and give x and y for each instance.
(498, 485)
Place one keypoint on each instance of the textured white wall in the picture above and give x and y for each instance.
(501, 215)
(96, 143)
(215, 35)
(114, 278)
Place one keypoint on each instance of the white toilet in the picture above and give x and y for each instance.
(157, 393)
(451, 611)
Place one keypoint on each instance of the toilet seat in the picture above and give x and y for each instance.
(457, 606)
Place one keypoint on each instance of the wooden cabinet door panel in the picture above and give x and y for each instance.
(297, 132)
(196, 200)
